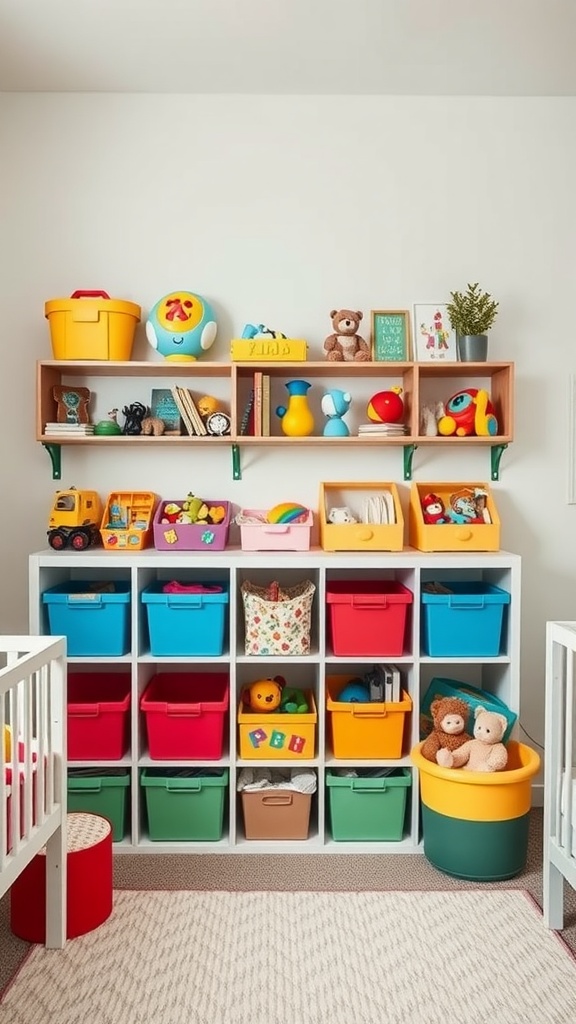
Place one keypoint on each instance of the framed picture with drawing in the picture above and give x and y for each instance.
(434, 339)
(391, 335)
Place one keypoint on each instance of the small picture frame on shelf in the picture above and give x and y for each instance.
(434, 339)
(390, 335)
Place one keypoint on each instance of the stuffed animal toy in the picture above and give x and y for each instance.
(449, 717)
(345, 344)
(484, 753)
(433, 510)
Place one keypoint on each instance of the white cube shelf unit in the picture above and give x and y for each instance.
(498, 674)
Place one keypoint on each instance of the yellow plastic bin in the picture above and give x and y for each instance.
(91, 325)
(475, 824)
(273, 736)
(372, 730)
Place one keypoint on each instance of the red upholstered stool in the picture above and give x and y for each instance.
(89, 867)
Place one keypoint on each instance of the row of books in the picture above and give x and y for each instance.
(70, 429)
(186, 406)
(256, 416)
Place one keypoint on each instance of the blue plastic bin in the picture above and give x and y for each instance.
(186, 624)
(96, 622)
(469, 622)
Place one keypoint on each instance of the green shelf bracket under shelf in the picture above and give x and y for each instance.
(236, 469)
(55, 453)
(495, 455)
(408, 452)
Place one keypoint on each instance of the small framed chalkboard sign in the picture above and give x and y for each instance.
(391, 335)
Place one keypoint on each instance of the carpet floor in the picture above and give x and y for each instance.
(294, 873)
(208, 957)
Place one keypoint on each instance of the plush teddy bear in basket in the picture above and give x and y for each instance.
(484, 753)
(449, 720)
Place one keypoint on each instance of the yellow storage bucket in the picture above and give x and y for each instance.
(479, 796)
(92, 326)
(475, 824)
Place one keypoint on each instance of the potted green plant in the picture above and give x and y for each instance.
(472, 314)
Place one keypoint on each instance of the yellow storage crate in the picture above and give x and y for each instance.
(268, 350)
(274, 736)
(360, 536)
(127, 520)
(360, 731)
(90, 325)
(483, 536)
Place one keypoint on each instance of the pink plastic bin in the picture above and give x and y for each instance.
(274, 536)
(190, 536)
(185, 714)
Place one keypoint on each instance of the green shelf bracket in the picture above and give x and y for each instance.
(236, 470)
(408, 451)
(55, 453)
(495, 456)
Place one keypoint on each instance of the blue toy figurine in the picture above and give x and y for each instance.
(181, 326)
(335, 405)
(252, 331)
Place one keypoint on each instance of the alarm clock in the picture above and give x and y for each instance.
(218, 424)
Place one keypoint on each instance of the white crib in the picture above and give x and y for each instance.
(33, 751)
(560, 772)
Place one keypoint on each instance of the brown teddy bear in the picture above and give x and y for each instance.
(449, 717)
(484, 753)
(346, 344)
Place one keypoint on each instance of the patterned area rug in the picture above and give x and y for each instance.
(311, 958)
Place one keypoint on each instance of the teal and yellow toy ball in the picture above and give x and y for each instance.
(181, 326)
(286, 512)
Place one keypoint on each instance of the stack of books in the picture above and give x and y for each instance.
(190, 416)
(382, 430)
(70, 429)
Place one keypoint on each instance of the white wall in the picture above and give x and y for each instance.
(279, 209)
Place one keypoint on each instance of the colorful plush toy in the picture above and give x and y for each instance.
(433, 511)
(468, 412)
(345, 344)
(192, 510)
(484, 753)
(449, 717)
(265, 694)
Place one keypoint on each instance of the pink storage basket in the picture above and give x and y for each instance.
(274, 536)
(190, 536)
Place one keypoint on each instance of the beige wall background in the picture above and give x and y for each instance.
(278, 209)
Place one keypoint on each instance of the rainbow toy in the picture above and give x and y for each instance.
(286, 512)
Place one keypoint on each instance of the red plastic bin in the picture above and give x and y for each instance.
(98, 715)
(367, 617)
(185, 714)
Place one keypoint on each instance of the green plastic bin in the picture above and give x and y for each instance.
(368, 808)
(185, 805)
(98, 791)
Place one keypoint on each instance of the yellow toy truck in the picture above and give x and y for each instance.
(75, 520)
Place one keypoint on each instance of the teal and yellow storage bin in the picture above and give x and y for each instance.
(475, 824)
(368, 808)
(185, 805)
(103, 792)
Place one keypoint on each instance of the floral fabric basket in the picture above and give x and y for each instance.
(277, 619)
